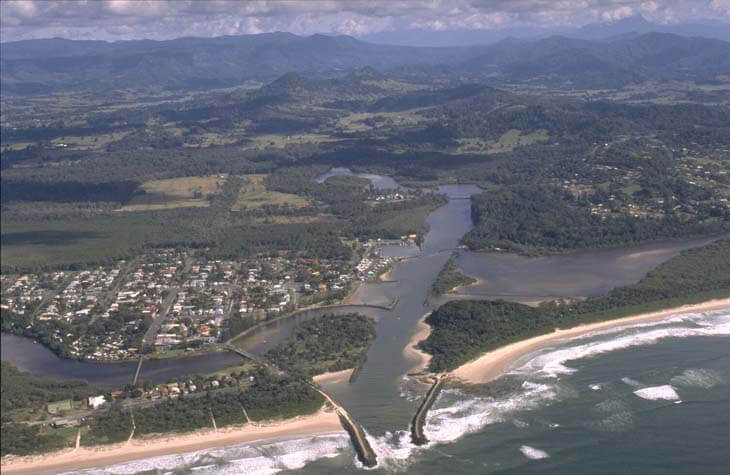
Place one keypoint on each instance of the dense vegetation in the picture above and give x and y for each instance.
(22, 394)
(325, 343)
(266, 397)
(21, 439)
(449, 277)
(19, 390)
(461, 330)
(262, 394)
(525, 218)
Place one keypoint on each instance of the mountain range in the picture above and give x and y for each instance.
(55, 65)
(463, 37)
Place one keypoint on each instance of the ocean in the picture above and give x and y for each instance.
(648, 398)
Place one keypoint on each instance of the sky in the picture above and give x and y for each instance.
(166, 19)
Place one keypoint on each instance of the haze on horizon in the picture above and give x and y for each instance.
(438, 22)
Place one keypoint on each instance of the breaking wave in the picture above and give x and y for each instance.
(533, 453)
(699, 378)
(552, 362)
(665, 392)
(263, 459)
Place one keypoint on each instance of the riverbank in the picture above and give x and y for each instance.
(411, 351)
(333, 376)
(325, 421)
(493, 364)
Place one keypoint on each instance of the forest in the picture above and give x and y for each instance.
(533, 219)
(324, 344)
(461, 330)
(263, 396)
(267, 397)
(450, 277)
(22, 390)
(22, 394)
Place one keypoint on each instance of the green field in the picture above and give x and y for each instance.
(183, 192)
(32, 245)
(254, 195)
(507, 142)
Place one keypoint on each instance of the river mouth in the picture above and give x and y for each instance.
(383, 399)
(574, 275)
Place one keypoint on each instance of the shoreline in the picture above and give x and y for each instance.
(421, 358)
(478, 281)
(333, 376)
(495, 363)
(323, 422)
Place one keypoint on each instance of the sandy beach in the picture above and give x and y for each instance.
(478, 282)
(414, 354)
(323, 422)
(493, 364)
(333, 376)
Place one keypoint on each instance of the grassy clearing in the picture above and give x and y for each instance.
(507, 142)
(209, 139)
(201, 203)
(17, 146)
(63, 242)
(320, 218)
(253, 195)
(401, 222)
(260, 142)
(90, 142)
(356, 122)
(631, 189)
(184, 192)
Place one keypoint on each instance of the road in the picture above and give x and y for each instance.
(151, 333)
(49, 295)
(111, 294)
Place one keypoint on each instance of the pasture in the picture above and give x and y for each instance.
(253, 195)
(183, 192)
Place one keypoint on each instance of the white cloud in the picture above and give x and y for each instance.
(617, 13)
(722, 6)
(162, 19)
(649, 7)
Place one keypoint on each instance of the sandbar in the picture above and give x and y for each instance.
(412, 353)
(333, 376)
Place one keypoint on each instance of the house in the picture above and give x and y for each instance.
(95, 402)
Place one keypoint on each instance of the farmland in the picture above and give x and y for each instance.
(253, 195)
(183, 192)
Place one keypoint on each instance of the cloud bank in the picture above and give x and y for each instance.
(165, 19)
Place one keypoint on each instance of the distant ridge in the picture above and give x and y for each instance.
(54, 65)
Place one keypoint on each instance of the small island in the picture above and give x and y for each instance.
(449, 278)
(325, 344)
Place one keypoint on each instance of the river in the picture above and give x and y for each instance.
(585, 419)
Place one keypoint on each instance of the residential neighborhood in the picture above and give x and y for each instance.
(175, 299)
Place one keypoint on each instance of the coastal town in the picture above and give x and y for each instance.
(172, 299)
